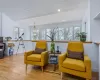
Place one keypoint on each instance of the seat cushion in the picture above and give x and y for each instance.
(74, 64)
(34, 57)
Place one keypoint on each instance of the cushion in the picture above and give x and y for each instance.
(41, 44)
(76, 55)
(39, 50)
(34, 57)
(74, 64)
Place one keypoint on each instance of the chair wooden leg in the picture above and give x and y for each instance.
(61, 75)
(26, 68)
(42, 68)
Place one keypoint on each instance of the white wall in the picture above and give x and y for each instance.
(8, 26)
(86, 19)
(94, 24)
(60, 25)
(72, 15)
(0, 24)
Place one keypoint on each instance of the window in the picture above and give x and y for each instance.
(35, 35)
(16, 33)
(48, 32)
(43, 34)
(70, 34)
(76, 30)
(61, 33)
(65, 33)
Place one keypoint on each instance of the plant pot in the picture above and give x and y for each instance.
(83, 39)
(52, 47)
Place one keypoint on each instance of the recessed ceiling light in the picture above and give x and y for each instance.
(58, 10)
(63, 20)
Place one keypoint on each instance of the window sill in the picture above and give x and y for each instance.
(48, 41)
(62, 41)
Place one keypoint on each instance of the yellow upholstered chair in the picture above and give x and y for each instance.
(33, 58)
(81, 68)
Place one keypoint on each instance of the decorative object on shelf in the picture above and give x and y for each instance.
(57, 49)
(82, 36)
(11, 50)
(8, 38)
(52, 37)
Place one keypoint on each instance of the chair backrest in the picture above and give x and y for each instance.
(75, 46)
(41, 44)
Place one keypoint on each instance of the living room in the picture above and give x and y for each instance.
(67, 31)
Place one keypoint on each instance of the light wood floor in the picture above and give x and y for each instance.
(13, 68)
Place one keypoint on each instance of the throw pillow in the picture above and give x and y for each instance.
(76, 55)
(39, 50)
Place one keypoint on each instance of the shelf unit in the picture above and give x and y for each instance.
(97, 17)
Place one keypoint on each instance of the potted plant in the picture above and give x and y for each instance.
(82, 36)
(52, 37)
(8, 38)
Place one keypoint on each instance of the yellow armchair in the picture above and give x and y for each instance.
(74, 66)
(37, 59)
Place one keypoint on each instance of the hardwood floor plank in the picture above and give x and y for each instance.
(13, 68)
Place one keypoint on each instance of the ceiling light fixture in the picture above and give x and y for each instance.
(58, 10)
(63, 20)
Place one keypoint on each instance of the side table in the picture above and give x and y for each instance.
(53, 58)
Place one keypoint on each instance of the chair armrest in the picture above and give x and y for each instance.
(87, 63)
(28, 53)
(61, 58)
(44, 57)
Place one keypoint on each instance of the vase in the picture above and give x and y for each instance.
(52, 47)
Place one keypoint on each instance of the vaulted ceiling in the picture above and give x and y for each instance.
(22, 9)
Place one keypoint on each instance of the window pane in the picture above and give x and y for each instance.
(35, 35)
(16, 33)
(48, 32)
(21, 31)
(66, 33)
(43, 34)
(76, 30)
(61, 33)
(70, 33)
(57, 35)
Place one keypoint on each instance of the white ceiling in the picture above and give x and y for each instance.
(22, 9)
